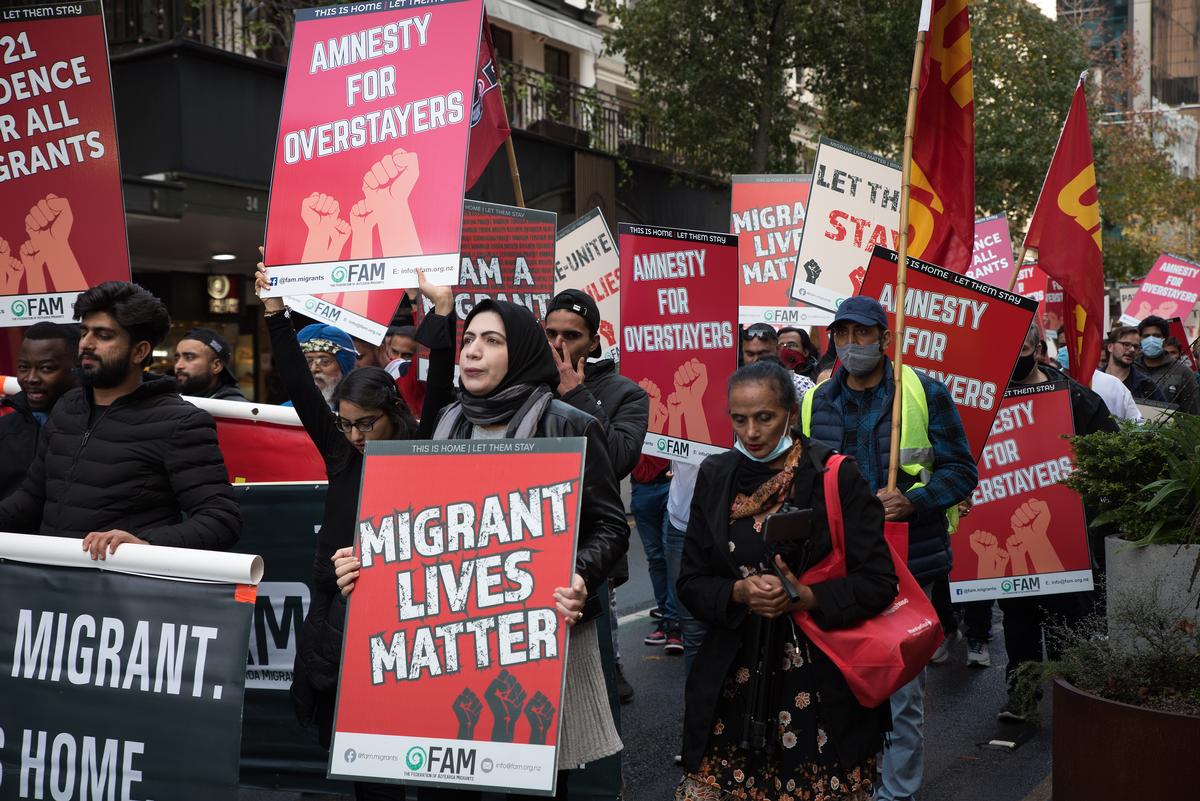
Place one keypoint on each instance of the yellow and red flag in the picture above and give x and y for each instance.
(1065, 232)
(941, 208)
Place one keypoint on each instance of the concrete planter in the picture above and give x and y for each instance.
(1165, 569)
(1109, 751)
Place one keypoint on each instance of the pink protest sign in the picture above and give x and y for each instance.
(992, 260)
(1170, 290)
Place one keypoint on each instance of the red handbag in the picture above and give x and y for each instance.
(881, 654)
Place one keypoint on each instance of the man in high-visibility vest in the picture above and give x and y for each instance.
(852, 412)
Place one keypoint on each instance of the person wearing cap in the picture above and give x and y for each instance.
(593, 385)
(203, 362)
(330, 354)
(852, 413)
(761, 341)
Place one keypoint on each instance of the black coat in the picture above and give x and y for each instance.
(148, 464)
(19, 434)
(223, 391)
(706, 582)
(319, 647)
(620, 406)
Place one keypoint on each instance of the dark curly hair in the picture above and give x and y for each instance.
(135, 309)
(373, 388)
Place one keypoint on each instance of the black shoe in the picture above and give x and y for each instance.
(624, 688)
(657, 613)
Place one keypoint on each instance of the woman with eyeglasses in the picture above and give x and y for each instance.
(366, 406)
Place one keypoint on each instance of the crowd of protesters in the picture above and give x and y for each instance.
(96, 448)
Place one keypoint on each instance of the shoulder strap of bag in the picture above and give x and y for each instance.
(833, 504)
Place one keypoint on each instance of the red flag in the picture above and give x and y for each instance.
(489, 120)
(1065, 231)
(942, 197)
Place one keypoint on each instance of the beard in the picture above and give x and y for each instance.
(328, 386)
(108, 374)
(192, 385)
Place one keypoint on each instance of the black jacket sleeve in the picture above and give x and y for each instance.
(437, 334)
(624, 426)
(308, 401)
(704, 587)
(194, 466)
(21, 512)
(602, 515)
(870, 581)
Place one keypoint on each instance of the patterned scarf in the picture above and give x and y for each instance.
(770, 492)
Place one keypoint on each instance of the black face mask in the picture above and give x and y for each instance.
(1023, 367)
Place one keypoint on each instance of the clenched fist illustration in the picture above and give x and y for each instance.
(505, 697)
(11, 270)
(691, 381)
(1030, 527)
(991, 557)
(658, 409)
(467, 709)
(319, 213)
(540, 713)
(387, 186)
(48, 225)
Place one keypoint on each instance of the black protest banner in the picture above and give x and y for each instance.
(118, 685)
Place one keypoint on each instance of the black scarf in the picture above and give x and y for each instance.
(532, 372)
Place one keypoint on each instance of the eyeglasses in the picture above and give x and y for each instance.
(1127, 345)
(320, 361)
(364, 426)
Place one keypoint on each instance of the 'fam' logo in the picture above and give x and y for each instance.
(310, 304)
(415, 758)
(338, 275)
(19, 308)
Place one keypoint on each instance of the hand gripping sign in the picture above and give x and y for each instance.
(1026, 533)
(853, 206)
(963, 332)
(371, 155)
(454, 655)
(59, 177)
(679, 323)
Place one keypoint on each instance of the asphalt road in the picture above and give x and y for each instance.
(961, 707)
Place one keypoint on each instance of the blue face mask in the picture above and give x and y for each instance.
(785, 442)
(1152, 347)
(1062, 356)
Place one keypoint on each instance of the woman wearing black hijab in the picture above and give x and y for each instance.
(506, 379)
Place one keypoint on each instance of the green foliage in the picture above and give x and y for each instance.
(1144, 480)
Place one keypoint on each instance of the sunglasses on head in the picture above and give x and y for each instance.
(759, 333)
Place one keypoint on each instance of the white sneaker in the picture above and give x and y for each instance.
(943, 651)
(977, 654)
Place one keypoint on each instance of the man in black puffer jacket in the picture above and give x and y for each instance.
(124, 457)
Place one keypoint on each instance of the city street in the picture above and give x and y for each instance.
(961, 721)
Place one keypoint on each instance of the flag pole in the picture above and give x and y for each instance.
(1012, 283)
(910, 124)
(513, 172)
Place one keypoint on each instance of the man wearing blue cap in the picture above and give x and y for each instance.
(330, 354)
(852, 412)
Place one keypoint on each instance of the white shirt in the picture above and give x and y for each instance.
(1117, 397)
(679, 496)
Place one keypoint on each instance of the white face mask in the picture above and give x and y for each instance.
(784, 444)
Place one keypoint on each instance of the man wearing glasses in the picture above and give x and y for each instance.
(1123, 346)
(330, 354)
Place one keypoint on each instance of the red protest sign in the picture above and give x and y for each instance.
(678, 317)
(1026, 533)
(1185, 351)
(767, 214)
(453, 659)
(371, 153)
(992, 259)
(1170, 289)
(63, 227)
(963, 332)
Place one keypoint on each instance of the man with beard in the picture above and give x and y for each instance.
(330, 354)
(44, 373)
(202, 366)
(1123, 346)
(124, 457)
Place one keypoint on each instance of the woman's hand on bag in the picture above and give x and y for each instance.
(345, 567)
(569, 600)
(763, 594)
(807, 600)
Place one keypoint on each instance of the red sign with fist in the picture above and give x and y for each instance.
(679, 307)
(1026, 533)
(63, 226)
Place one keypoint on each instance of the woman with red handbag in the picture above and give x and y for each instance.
(768, 715)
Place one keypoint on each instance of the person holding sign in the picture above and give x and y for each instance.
(368, 407)
(507, 376)
(755, 665)
(852, 412)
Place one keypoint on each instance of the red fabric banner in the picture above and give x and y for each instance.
(1026, 533)
(452, 621)
(63, 226)
(679, 294)
(489, 120)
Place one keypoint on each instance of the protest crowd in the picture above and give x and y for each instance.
(819, 506)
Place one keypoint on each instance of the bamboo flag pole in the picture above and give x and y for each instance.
(1017, 267)
(513, 172)
(910, 124)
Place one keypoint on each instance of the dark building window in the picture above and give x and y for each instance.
(558, 63)
(503, 43)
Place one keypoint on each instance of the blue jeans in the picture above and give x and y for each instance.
(903, 766)
(648, 503)
(693, 630)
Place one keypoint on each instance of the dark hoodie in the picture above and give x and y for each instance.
(19, 432)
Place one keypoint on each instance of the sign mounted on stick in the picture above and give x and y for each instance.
(853, 206)
(370, 159)
(585, 258)
(1027, 533)
(767, 215)
(963, 332)
(63, 225)
(453, 619)
(992, 260)
(679, 323)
